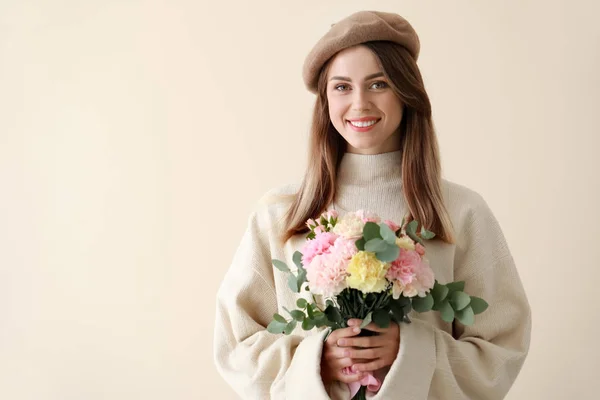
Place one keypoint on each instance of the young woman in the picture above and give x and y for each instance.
(373, 147)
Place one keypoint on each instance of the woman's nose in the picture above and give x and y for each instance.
(360, 101)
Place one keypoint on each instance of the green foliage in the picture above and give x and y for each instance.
(387, 234)
(446, 311)
(439, 292)
(382, 318)
(371, 231)
(466, 316)
(302, 303)
(423, 304)
(478, 305)
(376, 245)
(459, 300)
(297, 258)
(280, 265)
(360, 244)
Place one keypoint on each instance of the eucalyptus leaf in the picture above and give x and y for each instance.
(276, 327)
(382, 318)
(321, 321)
(414, 237)
(367, 320)
(308, 324)
(403, 300)
(298, 315)
(280, 265)
(301, 278)
(411, 228)
(297, 257)
(371, 231)
(466, 316)
(388, 255)
(396, 308)
(360, 244)
(427, 235)
(439, 292)
(376, 245)
(459, 300)
(423, 304)
(387, 234)
(333, 314)
(309, 310)
(446, 311)
(293, 283)
(279, 318)
(290, 327)
(478, 305)
(456, 286)
(301, 303)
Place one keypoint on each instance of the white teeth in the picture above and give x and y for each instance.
(363, 124)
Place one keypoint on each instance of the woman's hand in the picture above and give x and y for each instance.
(371, 353)
(334, 358)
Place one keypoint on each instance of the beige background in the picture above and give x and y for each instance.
(135, 138)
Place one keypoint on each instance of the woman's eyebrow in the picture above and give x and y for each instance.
(345, 78)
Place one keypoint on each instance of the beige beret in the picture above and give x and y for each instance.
(360, 27)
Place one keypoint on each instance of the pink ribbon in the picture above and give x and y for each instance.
(373, 384)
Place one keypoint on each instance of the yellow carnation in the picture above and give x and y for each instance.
(367, 273)
(405, 243)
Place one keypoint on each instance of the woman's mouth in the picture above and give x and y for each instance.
(362, 126)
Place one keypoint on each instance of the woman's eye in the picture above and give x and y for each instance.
(341, 87)
(381, 85)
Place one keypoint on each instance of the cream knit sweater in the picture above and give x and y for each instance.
(436, 360)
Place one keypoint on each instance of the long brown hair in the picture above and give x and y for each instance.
(421, 169)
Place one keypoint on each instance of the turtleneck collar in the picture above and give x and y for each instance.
(371, 182)
(366, 169)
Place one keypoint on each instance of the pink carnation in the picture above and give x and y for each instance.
(326, 274)
(345, 248)
(330, 214)
(317, 246)
(368, 216)
(410, 274)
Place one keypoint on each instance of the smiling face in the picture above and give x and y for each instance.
(362, 106)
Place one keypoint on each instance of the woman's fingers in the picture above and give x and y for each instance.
(373, 327)
(371, 366)
(343, 333)
(332, 351)
(366, 341)
(365, 354)
(349, 378)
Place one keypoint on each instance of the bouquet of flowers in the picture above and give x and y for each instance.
(371, 270)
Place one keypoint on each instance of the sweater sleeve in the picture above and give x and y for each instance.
(480, 361)
(254, 362)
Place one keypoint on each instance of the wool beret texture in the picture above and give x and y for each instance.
(357, 28)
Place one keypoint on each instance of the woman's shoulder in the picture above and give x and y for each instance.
(273, 203)
(465, 204)
(459, 193)
(278, 196)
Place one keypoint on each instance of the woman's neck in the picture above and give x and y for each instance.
(371, 182)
